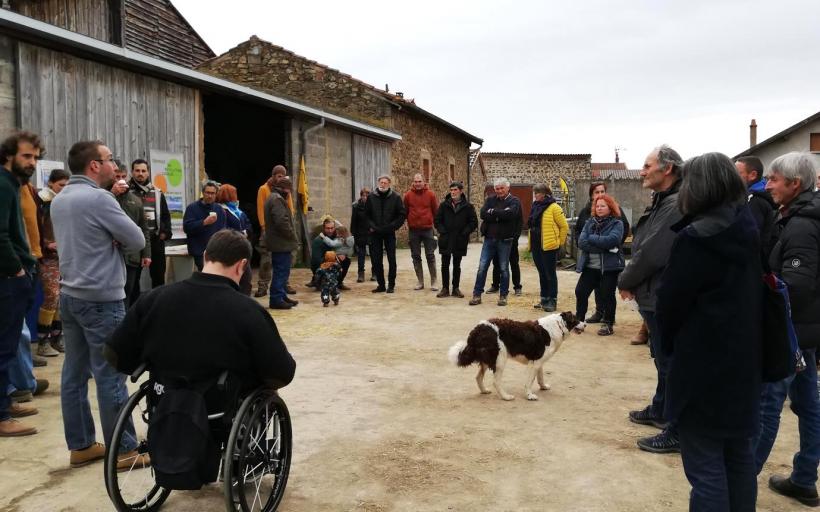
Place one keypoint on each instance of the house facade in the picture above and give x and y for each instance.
(802, 136)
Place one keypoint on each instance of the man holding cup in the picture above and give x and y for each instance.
(202, 219)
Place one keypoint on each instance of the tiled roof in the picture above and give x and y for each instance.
(619, 174)
(608, 166)
(539, 156)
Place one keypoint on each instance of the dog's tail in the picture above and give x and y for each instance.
(461, 354)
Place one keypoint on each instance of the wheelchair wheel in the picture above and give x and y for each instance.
(134, 488)
(258, 454)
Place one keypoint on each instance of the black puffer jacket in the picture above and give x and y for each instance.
(454, 224)
(796, 259)
(385, 212)
(501, 218)
(359, 225)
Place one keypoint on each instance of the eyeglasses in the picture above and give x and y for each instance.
(111, 159)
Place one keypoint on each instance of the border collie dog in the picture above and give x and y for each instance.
(492, 342)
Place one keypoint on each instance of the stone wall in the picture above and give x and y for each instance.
(265, 66)
(631, 196)
(531, 169)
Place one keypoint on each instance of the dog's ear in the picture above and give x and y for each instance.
(569, 319)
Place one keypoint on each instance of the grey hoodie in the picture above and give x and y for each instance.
(87, 221)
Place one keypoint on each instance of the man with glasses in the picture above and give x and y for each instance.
(500, 226)
(91, 231)
(202, 219)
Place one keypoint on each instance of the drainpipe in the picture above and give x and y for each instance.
(303, 218)
(469, 171)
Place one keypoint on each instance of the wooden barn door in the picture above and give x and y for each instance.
(371, 159)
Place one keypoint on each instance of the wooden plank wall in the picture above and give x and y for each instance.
(155, 28)
(66, 99)
(88, 17)
(8, 89)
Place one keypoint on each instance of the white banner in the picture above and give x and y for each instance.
(44, 168)
(168, 175)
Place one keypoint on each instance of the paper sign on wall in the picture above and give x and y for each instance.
(44, 168)
(168, 175)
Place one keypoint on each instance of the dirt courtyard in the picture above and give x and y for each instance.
(383, 422)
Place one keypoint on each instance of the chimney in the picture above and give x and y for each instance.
(753, 133)
(400, 94)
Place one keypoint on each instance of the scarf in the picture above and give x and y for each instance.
(233, 207)
(538, 208)
(600, 224)
(145, 188)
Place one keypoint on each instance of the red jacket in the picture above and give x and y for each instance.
(421, 206)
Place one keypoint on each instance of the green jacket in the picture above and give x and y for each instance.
(131, 204)
(14, 250)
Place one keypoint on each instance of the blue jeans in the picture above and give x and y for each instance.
(280, 267)
(15, 296)
(86, 327)
(491, 248)
(21, 372)
(802, 391)
(662, 363)
(721, 472)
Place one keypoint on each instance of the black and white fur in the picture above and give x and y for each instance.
(492, 342)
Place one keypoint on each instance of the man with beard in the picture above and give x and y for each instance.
(277, 173)
(157, 217)
(91, 231)
(421, 205)
(385, 214)
(135, 261)
(19, 154)
(281, 241)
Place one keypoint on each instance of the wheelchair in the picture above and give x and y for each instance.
(253, 434)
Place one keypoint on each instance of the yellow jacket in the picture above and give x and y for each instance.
(554, 228)
(261, 196)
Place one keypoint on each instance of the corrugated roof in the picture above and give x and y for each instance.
(619, 174)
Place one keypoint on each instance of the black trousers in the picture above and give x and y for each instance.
(379, 245)
(132, 284)
(515, 269)
(157, 268)
(445, 270)
(590, 280)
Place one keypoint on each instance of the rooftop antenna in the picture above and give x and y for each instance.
(618, 149)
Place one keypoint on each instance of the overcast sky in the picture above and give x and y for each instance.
(558, 76)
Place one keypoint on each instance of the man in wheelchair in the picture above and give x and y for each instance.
(190, 333)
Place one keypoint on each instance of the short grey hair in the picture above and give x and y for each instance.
(668, 156)
(384, 176)
(210, 183)
(501, 181)
(796, 165)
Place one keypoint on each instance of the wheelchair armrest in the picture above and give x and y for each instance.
(139, 371)
(220, 383)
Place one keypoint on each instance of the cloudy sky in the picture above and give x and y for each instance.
(559, 76)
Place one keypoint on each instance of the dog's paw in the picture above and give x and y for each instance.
(532, 396)
(544, 387)
(507, 397)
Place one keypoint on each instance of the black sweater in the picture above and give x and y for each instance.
(198, 328)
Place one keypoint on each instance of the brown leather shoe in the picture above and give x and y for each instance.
(642, 337)
(18, 410)
(13, 428)
(290, 289)
(133, 460)
(476, 300)
(80, 458)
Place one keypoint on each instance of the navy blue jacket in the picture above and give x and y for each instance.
(198, 234)
(501, 218)
(709, 309)
(601, 238)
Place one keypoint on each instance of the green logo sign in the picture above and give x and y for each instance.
(174, 172)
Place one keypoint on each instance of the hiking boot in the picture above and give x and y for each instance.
(13, 428)
(45, 350)
(443, 293)
(40, 387)
(17, 410)
(502, 300)
(38, 361)
(784, 485)
(642, 337)
(260, 293)
(518, 291)
(595, 318)
(665, 442)
(492, 289)
(360, 277)
(280, 305)
(56, 343)
(379, 289)
(21, 396)
(457, 293)
(290, 301)
(646, 417)
(133, 460)
(80, 458)
(606, 330)
(475, 300)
